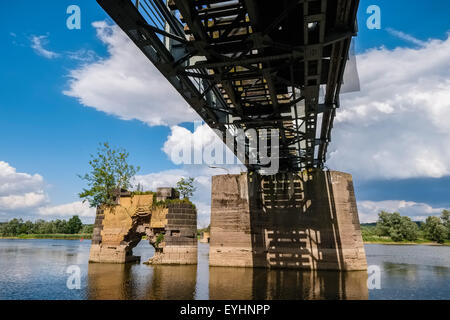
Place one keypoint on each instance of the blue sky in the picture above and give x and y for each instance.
(49, 132)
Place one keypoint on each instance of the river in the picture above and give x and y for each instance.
(38, 269)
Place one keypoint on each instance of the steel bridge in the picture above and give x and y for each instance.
(251, 64)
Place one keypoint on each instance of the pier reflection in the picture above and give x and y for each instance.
(138, 282)
(261, 284)
(143, 282)
(173, 283)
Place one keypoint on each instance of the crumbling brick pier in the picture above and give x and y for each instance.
(170, 225)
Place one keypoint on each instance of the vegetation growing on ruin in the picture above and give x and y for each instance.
(159, 239)
(186, 187)
(143, 193)
(167, 202)
(110, 173)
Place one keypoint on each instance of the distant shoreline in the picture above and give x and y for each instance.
(407, 243)
(88, 237)
(50, 237)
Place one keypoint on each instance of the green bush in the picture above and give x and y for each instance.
(435, 230)
(396, 227)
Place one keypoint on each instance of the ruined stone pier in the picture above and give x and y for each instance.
(304, 221)
(170, 225)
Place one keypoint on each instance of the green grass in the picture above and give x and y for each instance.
(166, 202)
(373, 239)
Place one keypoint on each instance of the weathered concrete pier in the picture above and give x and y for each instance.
(306, 221)
(169, 224)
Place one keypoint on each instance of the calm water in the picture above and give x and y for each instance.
(36, 269)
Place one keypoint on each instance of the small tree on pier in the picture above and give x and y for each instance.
(110, 173)
(186, 187)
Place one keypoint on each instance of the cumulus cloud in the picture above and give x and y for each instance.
(203, 146)
(24, 201)
(398, 125)
(13, 182)
(23, 195)
(126, 84)
(38, 43)
(68, 210)
(20, 191)
(369, 210)
(82, 55)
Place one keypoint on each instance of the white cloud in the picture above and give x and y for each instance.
(82, 55)
(68, 210)
(24, 201)
(203, 146)
(20, 191)
(369, 210)
(398, 125)
(38, 43)
(127, 85)
(13, 182)
(23, 195)
(406, 37)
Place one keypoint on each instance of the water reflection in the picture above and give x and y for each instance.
(173, 283)
(123, 282)
(136, 282)
(36, 269)
(261, 284)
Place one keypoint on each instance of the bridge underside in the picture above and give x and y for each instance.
(307, 221)
(251, 64)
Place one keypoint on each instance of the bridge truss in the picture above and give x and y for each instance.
(251, 64)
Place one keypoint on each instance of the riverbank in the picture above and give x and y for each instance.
(371, 240)
(408, 243)
(389, 241)
(50, 237)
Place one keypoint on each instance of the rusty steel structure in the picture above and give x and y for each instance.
(251, 64)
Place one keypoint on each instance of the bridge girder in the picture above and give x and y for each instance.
(256, 64)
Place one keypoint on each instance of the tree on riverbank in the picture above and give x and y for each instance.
(110, 173)
(74, 225)
(445, 218)
(392, 227)
(435, 230)
(17, 227)
(396, 227)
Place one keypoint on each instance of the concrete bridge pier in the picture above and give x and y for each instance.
(303, 221)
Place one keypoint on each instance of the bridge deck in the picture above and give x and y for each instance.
(251, 64)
